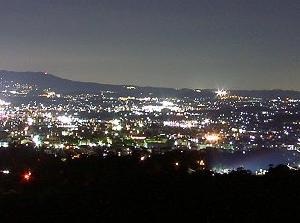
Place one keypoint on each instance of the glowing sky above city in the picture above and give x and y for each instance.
(252, 44)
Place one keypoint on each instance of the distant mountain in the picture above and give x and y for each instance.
(267, 93)
(43, 81)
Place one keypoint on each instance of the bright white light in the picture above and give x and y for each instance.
(158, 108)
(167, 104)
(117, 128)
(221, 93)
(4, 102)
(115, 121)
(30, 121)
(4, 144)
(182, 124)
(206, 121)
(242, 130)
(201, 163)
(130, 87)
(37, 141)
(116, 125)
(5, 171)
(64, 119)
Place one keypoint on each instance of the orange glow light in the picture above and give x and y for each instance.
(212, 137)
(27, 176)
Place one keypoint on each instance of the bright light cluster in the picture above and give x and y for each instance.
(212, 138)
(221, 93)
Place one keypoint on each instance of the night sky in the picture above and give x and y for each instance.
(253, 44)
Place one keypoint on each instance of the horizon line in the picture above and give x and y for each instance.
(148, 86)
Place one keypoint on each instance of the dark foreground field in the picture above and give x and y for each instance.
(124, 189)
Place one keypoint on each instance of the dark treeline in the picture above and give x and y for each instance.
(128, 188)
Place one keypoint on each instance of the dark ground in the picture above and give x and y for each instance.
(126, 190)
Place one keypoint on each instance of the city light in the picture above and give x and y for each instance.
(151, 110)
(212, 138)
(116, 125)
(27, 176)
(221, 93)
(64, 119)
(4, 103)
(5, 172)
(37, 141)
(121, 124)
